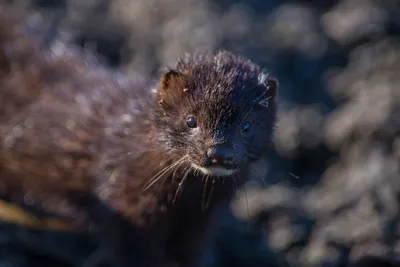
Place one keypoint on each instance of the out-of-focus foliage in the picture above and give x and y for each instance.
(330, 197)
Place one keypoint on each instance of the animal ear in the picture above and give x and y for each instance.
(173, 86)
(172, 81)
(271, 84)
(272, 87)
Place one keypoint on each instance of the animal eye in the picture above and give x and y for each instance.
(191, 122)
(246, 127)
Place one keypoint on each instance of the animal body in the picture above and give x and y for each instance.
(151, 165)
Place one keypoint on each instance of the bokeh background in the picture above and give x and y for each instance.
(330, 195)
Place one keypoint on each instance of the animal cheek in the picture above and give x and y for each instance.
(194, 154)
(251, 138)
(239, 147)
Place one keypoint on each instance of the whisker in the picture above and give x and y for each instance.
(259, 175)
(176, 169)
(160, 174)
(188, 168)
(203, 179)
(293, 175)
(234, 181)
(247, 114)
(165, 178)
(177, 163)
(203, 197)
(210, 194)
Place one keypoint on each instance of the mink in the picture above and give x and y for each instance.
(152, 164)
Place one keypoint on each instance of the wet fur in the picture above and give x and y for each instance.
(89, 144)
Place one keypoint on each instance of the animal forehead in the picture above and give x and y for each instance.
(228, 99)
(220, 108)
(223, 85)
(223, 68)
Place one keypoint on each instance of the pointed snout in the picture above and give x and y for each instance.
(221, 155)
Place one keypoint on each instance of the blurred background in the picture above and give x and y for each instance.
(331, 193)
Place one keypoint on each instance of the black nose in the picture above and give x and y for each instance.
(220, 155)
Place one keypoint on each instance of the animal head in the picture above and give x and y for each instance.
(216, 110)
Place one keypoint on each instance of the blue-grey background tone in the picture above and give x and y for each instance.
(331, 193)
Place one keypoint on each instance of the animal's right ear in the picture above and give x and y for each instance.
(172, 86)
(171, 81)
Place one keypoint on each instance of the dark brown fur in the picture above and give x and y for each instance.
(87, 143)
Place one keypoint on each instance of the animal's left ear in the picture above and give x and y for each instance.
(272, 87)
(271, 84)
